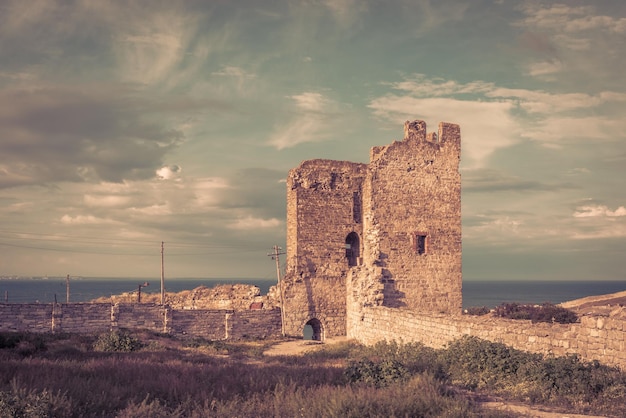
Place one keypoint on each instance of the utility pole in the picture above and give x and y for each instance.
(276, 256)
(67, 289)
(162, 276)
(139, 290)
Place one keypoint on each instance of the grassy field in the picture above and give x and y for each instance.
(151, 375)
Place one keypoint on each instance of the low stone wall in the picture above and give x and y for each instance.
(33, 317)
(595, 337)
(90, 318)
(75, 317)
(210, 323)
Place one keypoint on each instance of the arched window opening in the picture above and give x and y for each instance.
(352, 249)
(313, 330)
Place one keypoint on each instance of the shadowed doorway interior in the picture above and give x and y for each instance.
(313, 330)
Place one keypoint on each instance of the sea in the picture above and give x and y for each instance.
(475, 292)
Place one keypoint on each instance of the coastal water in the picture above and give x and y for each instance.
(475, 293)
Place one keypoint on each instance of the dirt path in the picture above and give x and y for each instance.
(297, 347)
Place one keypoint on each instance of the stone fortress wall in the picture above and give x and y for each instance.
(373, 253)
(381, 244)
(598, 336)
(215, 324)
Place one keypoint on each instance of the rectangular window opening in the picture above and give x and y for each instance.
(420, 242)
(357, 213)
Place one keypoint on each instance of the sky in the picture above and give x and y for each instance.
(124, 124)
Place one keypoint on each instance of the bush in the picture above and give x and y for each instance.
(547, 312)
(117, 341)
(379, 374)
(564, 381)
(477, 310)
(24, 343)
(478, 364)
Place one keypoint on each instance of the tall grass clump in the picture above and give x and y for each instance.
(28, 403)
(419, 396)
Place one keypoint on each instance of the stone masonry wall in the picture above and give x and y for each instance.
(413, 219)
(32, 317)
(596, 337)
(394, 225)
(91, 318)
(75, 317)
(323, 209)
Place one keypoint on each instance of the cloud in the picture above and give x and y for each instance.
(258, 191)
(572, 40)
(87, 133)
(425, 15)
(85, 220)
(570, 19)
(595, 211)
(106, 201)
(314, 117)
(538, 101)
(594, 222)
(493, 118)
(168, 172)
(490, 180)
(486, 126)
(250, 223)
(346, 12)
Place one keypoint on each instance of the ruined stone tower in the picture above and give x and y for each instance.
(387, 233)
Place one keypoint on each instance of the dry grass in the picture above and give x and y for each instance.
(63, 376)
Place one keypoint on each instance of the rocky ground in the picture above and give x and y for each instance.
(597, 304)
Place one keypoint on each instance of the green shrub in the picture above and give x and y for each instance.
(416, 357)
(117, 341)
(562, 381)
(477, 364)
(547, 312)
(377, 374)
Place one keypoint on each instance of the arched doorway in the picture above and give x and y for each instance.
(313, 330)
(352, 249)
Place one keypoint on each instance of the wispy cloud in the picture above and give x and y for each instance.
(490, 180)
(438, 100)
(85, 220)
(315, 115)
(571, 39)
(251, 223)
(594, 211)
(494, 117)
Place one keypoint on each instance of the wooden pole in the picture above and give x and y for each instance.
(276, 256)
(67, 289)
(162, 277)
